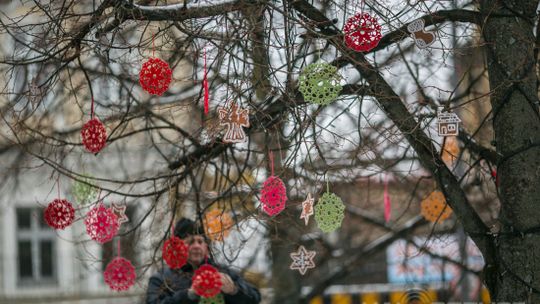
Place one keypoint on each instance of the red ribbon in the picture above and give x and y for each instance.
(205, 86)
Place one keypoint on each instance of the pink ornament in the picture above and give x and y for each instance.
(155, 76)
(175, 252)
(273, 195)
(362, 32)
(93, 135)
(207, 281)
(101, 224)
(59, 214)
(120, 274)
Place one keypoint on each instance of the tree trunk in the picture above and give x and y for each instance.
(510, 42)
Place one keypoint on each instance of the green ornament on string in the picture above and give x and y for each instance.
(319, 83)
(83, 193)
(219, 299)
(329, 212)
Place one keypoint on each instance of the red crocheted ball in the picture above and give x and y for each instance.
(101, 224)
(273, 196)
(362, 32)
(206, 281)
(59, 214)
(175, 252)
(93, 135)
(155, 76)
(120, 274)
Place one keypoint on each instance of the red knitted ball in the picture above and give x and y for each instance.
(362, 32)
(273, 195)
(59, 214)
(93, 135)
(101, 224)
(155, 76)
(175, 252)
(120, 274)
(207, 281)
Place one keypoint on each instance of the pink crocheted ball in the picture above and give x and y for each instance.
(175, 252)
(101, 223)
(207, 281)
(59, 214)
(155, 76)
(94, 135)
(273, 196)
(120, 274)
(362, 32)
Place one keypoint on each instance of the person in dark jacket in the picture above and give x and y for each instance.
(174, 286)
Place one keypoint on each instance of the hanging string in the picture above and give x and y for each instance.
(92, 108)
(153, 43)
(118, 247)
(387, 206)
(58, 185)
(271, 156)
(205, 86)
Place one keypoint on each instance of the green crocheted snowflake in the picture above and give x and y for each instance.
(319, 83)
(215, 300)
(329, 212)
(84, 193)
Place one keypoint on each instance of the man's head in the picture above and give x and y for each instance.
(193, 235)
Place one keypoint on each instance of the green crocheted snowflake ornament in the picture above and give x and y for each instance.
(319, 83)
(214, 300)
(329, 212)
(83, 193)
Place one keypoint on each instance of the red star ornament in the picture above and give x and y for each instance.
(94, 135)
(362, 32)
(155, 76)
(120, 274)
(59, 214)
(207, 281)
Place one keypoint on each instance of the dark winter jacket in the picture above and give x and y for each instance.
(169, 286)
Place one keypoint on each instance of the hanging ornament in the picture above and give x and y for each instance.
(362, 32)
(329, 212)
(387, 206)
(219, 299)
(94, 135)
(217, 224)
(422, 39)
(319, 83)
(120, 212)
(59, 214)
(450, 150)
(119, 273)
(447, 123)
(434, 207)
(233, 119)
(206, 281)
(302, 260)
(273, 193)
(205, 86)
(101, 223)
(155, 76)
(175, 252)
(307, 209)
(84, 192)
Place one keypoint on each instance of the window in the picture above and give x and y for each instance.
(35, 249)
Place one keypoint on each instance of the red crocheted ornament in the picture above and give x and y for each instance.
(273, 196)
(207, 281)
(120, 274)
(59, 214)
(93, 135)
(362, 32)
(155, 76)
(101, 224)
(175, 252)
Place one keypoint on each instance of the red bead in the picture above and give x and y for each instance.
(175, 252)
(207, 281)
(93, 135)
(101, 223)
(120, 274)
(362, 32)
(59, 214)
(155, 76)
(273, 196)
